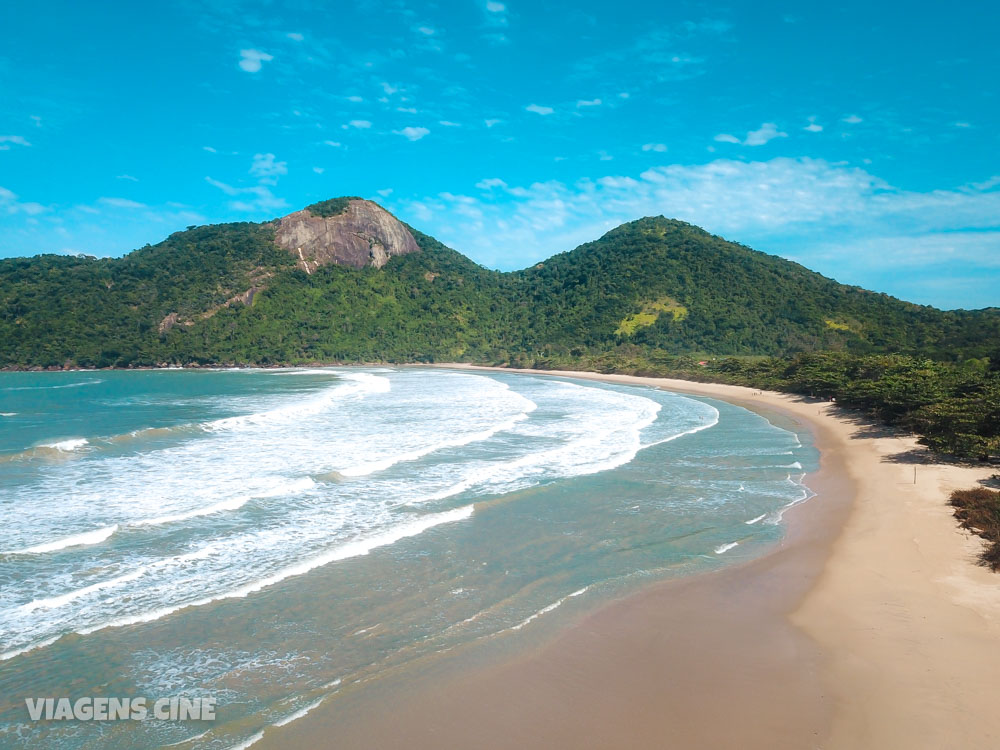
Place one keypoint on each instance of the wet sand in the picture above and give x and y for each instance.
(869, 626)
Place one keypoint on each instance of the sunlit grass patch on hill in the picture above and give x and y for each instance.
(649, 314)
(837, 325)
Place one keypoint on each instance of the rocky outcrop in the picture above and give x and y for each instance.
(259, 279)
(168, 322)
(365, 234)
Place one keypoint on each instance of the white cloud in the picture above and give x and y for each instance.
(491, 182)
(426, 30)
(589, 103)
(267, 169)
(389, 89)
(262, 199)
(781, 203)
(617, 182)
(413, 133)
(659, 147)
(491, 123)
(962, 124)
(210, 149)
(335, 144)
(624, 95)
(449, 124)
(227, 189)
(496, 14)
(407, 110)
(355, 99)
(359, 124)
(973, 248)
(464, 205)
(813, 128)
(251, 60)
(128, 177)
(318, 170)
(852, 119)
(121, 203)
(18, 140)
(767, 132)
(384, 192)
(295, 36)
(987, 184)
(258, 198)
(539, 110)
(36, 119)
(10, 204)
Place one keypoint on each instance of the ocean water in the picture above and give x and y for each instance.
(272, 537)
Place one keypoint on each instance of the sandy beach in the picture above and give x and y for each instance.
(870, 626)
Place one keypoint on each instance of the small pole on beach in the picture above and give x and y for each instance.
(914, 474)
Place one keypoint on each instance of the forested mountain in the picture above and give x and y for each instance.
(344, 281)
(660, 283)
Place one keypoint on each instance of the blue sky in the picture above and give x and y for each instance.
(857, 138)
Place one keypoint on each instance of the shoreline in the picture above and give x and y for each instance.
(868, 626)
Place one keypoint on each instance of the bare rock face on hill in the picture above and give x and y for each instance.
(361, 234)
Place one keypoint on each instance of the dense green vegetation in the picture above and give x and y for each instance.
(87, 312)
(735, 301)
(652, 296)
(979, 511)
(331, 207)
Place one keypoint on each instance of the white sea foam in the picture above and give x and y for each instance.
(234, 503)
(724, 548)
(52, 387)
(342, 552)
(545, 610)
(779, 515)
(298, 714)
(712, 422)
(370, 467)
(8, 413)
(62, 600)
(350, 384)
(188, 739)
(66, 445)
(587, 442)
(758, 519)
(309, 371)
(59, 601)
(76, 540)
(361, 546)
(5, 655)
(251, 740)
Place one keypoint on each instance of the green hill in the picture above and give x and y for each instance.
(659, 283)
(229, 294)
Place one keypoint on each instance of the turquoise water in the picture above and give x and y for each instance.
(269, 537)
